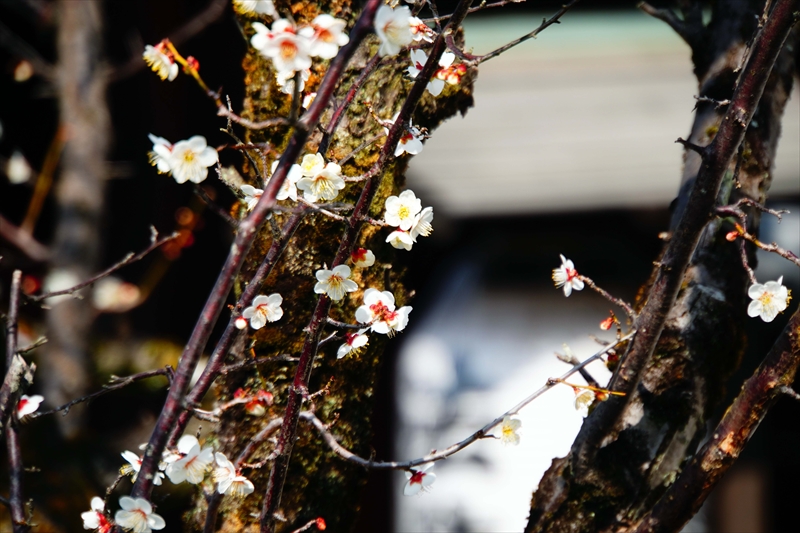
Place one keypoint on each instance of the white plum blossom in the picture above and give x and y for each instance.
(325, 185)
(769, 299)
(335, 283)
(229, 480)
(400, 239)
(419, 480)
(325, 36)
(289, 187)
(393, 28)
(160, 59)
(418, 60)
(508, 430)
(353, 343)
(583, 401)
(96, 518)
(420, 31)
(309, 99)
(566, 276)
(401, 210)
(190, 159)
(193, 464)
(288, 50)
(161, 153)
(28, 405)
(264, 309)
(422, 224)
(411, 140)
(285, 80)
(380, 314)
(137, 515)
(251, 196)
(363, 258)
(262, 7)
(134, 465)
(312, 164)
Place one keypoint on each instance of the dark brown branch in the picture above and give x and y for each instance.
(23, 240)
(731, 435)
(283, 358)
(555, 19)
(221, 213)
(689, 31)
(214, 367)
(607, 295)
(127, 260)
(15, 466)
(114, 384)
(701, 150)
(14, 44)
(223, 111)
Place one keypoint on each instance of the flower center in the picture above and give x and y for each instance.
(382, 313)
(403, 212)
(188, 156)
(288, 50)
(765, 299)
(416, 477)
(571, 273)
(325, 36)
(324, 187)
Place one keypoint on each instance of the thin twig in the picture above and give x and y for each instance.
(701, 150)
(222, 111)
(482, 433)
(283, 358)
(357, 149)
(605, 294)
(23, 240)
(199, 191)
(127, 260)
(115, 384)
(555, 19)
(41, 341)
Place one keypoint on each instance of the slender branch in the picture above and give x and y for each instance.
(358, 148)
(212, 510)
(15, 467)
(41, 341)
(115, 384)
(214, 367)
(482, 433)
(338, 113)
(475, 9)
(283, 358)
(700, 150)
(127, 260)
(555, 19)
(700, 476)
(605, 294)
(23, 240)
(773, 247)
(17, 46)
(223, 111)
(221, 213)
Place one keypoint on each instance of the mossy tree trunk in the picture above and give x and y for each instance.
(319, 484)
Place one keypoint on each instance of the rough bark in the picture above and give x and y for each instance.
(79, 196)
(319, 484)
(613, 479)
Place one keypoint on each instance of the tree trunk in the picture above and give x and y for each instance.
(319, 484)
(614, 475)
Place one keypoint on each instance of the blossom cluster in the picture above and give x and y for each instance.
(405, 213)
(185, 160)
(291, 47)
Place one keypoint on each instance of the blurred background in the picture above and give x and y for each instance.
(569, 150)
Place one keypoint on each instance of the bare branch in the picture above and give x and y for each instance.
(23, 240)
(688, 31)
(115, 384)
(701, 150)
(127, 260)
(482, 433)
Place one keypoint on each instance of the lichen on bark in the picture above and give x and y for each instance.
(319, 484)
